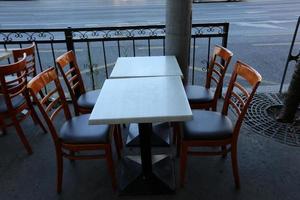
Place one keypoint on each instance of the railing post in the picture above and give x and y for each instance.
(69, 39)
(225, 38)
(290, 56)
(70, 46)
(224, 44)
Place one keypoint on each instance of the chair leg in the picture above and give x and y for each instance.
(59, 160)
(35, 118)
(120, 136)
(176, 137)
(174, 125)
(22, 136)
(178, 144)
(224, 151)
(117, 136)
(235, 166)
(2, 125)
(110, 166)
(72, 153)
(183, 161)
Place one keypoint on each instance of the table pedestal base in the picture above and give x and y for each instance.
(132, 181)
(160, 137)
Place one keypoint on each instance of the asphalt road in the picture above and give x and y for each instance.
(260, 30)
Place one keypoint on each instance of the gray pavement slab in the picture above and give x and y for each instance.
(268, 170)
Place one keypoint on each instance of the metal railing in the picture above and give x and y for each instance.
(291, 57)
(98, 48)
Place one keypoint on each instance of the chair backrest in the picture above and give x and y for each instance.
(13, 81)
(238, 97)
(30, 59)
(217, 68)
(52, 103)
(68, 67)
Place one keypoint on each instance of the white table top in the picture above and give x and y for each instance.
(128, 67)
(141, 100)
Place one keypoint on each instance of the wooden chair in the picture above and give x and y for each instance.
(14, 99)
(75, 135)
(83, 101)
(30, 59)
(203, 97)
(214, 129)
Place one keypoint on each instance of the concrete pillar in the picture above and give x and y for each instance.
(178, 32)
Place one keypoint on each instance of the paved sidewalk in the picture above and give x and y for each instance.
(268, 170)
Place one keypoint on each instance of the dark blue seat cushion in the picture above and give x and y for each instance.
(198, 94)
(16, 102)
(88, 99)
(207, 125)
(77, 130)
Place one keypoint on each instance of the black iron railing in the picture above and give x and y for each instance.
(98, 48)
(291, 57)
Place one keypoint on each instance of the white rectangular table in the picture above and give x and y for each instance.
(149, 66)
(128, 67)
(144, 101)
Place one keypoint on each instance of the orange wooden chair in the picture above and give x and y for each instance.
(30, 59)
(203, 97)
(75, 135)
(214, 129)
(83, 101)
(14, 99)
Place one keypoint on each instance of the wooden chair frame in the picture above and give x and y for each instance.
(214, 75)
(30, 62)
(65, 150)
(240, 106)
(75, 85)
(72, 78)
(12, 89)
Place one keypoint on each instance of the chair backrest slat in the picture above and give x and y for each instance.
(217, 68)
(74, 81)
(51, 105)
(69, 72)
(57, 104)
(30, 59)
(240, 101)
(68, 67)
(242, 89)
(47, 97)
(16, 85)
(55, 112)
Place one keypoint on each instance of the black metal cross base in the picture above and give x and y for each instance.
(159, 138)
(133, 182)
(146, 179)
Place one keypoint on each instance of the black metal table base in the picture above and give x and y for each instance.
(161, 136)
(133, 182)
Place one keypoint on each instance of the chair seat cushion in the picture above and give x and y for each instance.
(207, 125)
(16, 102)
(198, 94)
(77, 130)
(88, 99)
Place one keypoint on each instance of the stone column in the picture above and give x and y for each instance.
(178, 32)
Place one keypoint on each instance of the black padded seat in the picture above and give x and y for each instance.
(88, 99)
(16, 102)
(77, 130)
(198, 94)
(207, 125)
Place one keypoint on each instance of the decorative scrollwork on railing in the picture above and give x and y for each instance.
(26, 36)
(208, 30)
(119, 33)
(42, 36)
